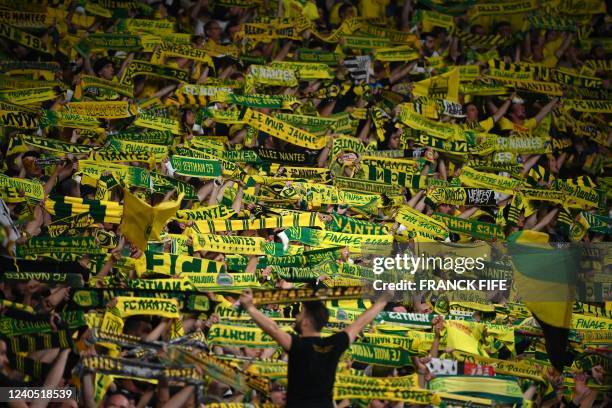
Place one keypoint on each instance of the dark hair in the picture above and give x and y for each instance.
(113, 393)
(318, 313)
(343, 8)
(101, 63)
(427, 34)
(438, 30)
(174, 227)
(474, 28)
(501, 24)
(133, 325)
(208, 25)
(31, 153)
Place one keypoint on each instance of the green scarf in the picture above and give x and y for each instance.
(461, 196)
(136, 68)
(194, 167)
(476, 229)
(380, 355)
(239, 336)
(51, 246)
(9, 186)
(62, 207)
(73, 280)
(175, 265)
(473, 178)
(356, 242)
(40, 341)
(17, 327)
(159, 137)
(326, 57)
(24, 38)
(502, 390)
(284, 296)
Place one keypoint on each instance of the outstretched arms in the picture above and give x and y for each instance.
(265, 323)
(366, 317)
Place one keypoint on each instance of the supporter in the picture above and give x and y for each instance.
(312, 359)
(116, 400)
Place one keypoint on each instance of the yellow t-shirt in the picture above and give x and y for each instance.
(526, 129)
(481, 126)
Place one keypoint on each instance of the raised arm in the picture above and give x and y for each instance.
(282, 54)
(264, 322)
(406, 12)
(499, 113)
(54, 377)
(125, 64)
(545, 220)
(546, 109)
(400, 73)
(366, 317)
(237, 203)
(565, 45)
(491, 106)
(181, 398)
(529, 163)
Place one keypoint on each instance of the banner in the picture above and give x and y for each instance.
(160, 123)
(379, 355)
(415, 220)
(136, 68)
(228, 244)
(294, 220)
(473, 178)
(24, 38)
(316, 238)
(157, 152)
(32, 190)
(193, 167)
(239, 336)
(168, 49)
(45, 246)
(288, 296)
(106, 110)
(107, 41)
(282, 130)
(272, 76)
(175, 265)
(476, 229)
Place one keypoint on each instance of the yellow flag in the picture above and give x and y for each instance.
(296, 8)
(543, 276)
(142, 222)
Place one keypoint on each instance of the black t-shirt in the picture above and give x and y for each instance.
(312, 370)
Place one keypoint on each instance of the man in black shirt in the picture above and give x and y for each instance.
(312, 359)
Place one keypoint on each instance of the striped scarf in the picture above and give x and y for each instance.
(40, 341)
(359, 67)
(101, 211)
